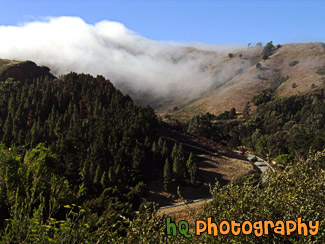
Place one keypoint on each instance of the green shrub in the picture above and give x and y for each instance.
(284, 159)
(267, 51)
(261, 98)
(293, 63)
(288, 195)
(321, 71)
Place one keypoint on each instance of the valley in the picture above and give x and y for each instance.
(96, 152)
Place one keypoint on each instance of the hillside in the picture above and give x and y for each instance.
(78, 140)
(22, 70)
(201, 81)
(214, 162)
(291, 63)
(79, 160)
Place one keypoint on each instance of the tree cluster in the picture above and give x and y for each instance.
(291, 125)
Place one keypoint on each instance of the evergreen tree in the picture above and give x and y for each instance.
(233, 113)
(174, 151)
(154, 147)
(164, 150)
(85, 172)
(160, 143)
(247, 110)
(179, 168)
(98, 175)
(267, 51)
(104, 180)
(192, 168)
(111, 175)
(7, 130)
(167, 175)
(92, 170)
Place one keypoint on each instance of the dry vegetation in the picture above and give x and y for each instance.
(215, 163)
(241, 88)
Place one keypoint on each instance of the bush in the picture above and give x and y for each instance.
(321, 71)
(267, 51)
(276, 80)
(261, 98)
(233, 112)
(293, 63)
(284, 159)
(294, 85)
(290, 194)
(230, 55)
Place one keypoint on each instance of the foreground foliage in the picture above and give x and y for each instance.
(297, 191)
(42, 210)
(76, 155)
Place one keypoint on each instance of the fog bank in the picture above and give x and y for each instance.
(132, 62)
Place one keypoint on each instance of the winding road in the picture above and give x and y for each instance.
(262, 165)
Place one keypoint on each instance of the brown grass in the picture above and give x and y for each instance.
(185, 212)
(240, 89)
(215, 163)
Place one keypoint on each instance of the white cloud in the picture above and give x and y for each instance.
(129, 60)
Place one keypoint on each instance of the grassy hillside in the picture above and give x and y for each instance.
(80, 162)
(290, 69)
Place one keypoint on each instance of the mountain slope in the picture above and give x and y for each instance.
(289, 64)
(22, 70)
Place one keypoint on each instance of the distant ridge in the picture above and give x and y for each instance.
(290, 69)
(22, 70)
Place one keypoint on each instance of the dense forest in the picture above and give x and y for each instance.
(76, 156)
(77, 141)
(289, 125)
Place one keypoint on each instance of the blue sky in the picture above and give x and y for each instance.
(209, 21)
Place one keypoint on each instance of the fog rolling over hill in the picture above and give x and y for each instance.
(195, 77)
(290, 69)
(158, 71)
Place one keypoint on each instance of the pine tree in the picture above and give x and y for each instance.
(154, 147)
(35, 133)
(137, 164)
(92, 170)
(195, 173)
(111, 175)
(160, 143)
(164, 150)
(167, 175)
(247, 110)
(192, 168)
(104, 180)
(180, 153)
(179, 168)
(174, 151)
(189, 161)
(98, 175)
(7, 130)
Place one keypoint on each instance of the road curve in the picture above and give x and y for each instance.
(262, 165)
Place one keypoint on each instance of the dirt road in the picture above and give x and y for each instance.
(215, 163)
